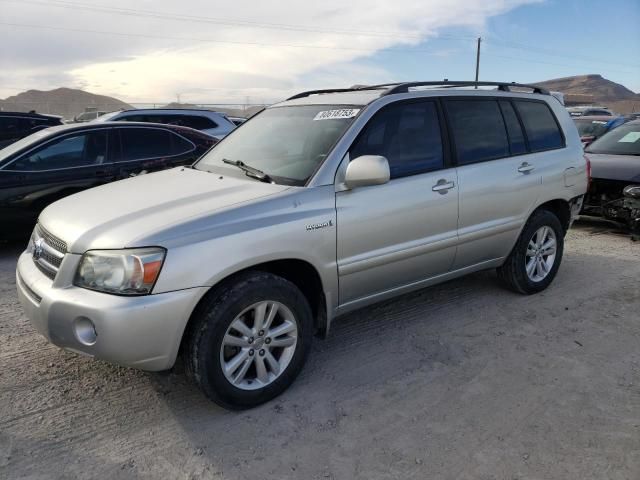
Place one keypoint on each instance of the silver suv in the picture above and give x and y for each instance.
(324, 203)
(212, 123)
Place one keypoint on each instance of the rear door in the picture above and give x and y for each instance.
(403, 232)
(500, 171)
(148, 149)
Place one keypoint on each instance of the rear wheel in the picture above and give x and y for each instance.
(250, 340)
(535, 259)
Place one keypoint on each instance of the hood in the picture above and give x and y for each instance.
(118, 214)
(625, 168)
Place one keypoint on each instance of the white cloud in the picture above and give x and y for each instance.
(147, 67)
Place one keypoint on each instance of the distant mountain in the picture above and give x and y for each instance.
(67, 102)
(602, 90)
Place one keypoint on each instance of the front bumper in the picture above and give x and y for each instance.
(142, 332)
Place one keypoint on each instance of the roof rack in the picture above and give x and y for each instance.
(403, 87)
(330, 90)
(502, 86)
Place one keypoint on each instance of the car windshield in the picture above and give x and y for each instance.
(624, 140)
(286, 143)
(588, 127)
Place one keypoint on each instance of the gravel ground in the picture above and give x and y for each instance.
(460, 381)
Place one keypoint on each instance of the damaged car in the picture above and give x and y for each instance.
(615, 176)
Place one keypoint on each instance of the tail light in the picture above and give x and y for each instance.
(588, 171)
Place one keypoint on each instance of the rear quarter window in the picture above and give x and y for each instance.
(540, 125)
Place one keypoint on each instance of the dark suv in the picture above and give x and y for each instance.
(17, 125)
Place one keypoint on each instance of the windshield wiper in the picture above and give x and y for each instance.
(248, 170)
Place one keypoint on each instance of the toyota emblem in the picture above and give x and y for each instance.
(38, 248)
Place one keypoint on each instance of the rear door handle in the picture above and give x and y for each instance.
(443, 186)
(525, 167)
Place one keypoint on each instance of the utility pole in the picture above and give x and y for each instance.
(478, 61)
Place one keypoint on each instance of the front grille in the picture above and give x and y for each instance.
(48, 251)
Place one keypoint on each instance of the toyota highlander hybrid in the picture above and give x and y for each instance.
(324, 203)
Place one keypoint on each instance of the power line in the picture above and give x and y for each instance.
(528, 60)
(222, 21)
(207, 40)
(554, 53)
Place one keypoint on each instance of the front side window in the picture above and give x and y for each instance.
(478, 130)
(542, 129)
(144, 143)
(80, 150)
(286, 143)
(407, 134)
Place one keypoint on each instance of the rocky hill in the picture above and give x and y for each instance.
(67, 102)
(603, 91)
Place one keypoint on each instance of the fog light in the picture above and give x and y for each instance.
(85, 331)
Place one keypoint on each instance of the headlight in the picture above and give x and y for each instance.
(123, 272)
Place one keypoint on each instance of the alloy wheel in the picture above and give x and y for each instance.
(259, 345)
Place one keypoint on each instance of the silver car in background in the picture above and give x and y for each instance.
(212, 123)
(322, 204)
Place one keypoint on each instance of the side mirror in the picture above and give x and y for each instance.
(367, 170)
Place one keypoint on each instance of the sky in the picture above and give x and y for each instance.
(240, 51)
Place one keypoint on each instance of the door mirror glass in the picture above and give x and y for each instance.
(367, 170)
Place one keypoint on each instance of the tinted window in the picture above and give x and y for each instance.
(141, 143)
(180, 145)
(133, 118)
(514, 130)
(540, 124)
(193, 121)
(71, 151)
(10, 126)
(478, 130)
(407, 134)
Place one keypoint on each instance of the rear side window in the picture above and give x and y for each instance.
(514, 130)
(197, 122)
(540, 125)
(180, 145)
(407, 134)
(143, 143)
(478, 130)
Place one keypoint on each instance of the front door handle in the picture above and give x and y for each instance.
(525, 167)
(443, 186)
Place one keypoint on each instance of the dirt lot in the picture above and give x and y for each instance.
(460, 381)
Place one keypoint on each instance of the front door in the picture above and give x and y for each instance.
(58, 168)
(397, 234)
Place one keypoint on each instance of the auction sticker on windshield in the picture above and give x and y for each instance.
(335, 114)
(630, 137)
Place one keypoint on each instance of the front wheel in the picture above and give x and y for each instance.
(250, 340)
(535, 259)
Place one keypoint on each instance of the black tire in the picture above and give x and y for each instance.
(211, 321)
(513, 274)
